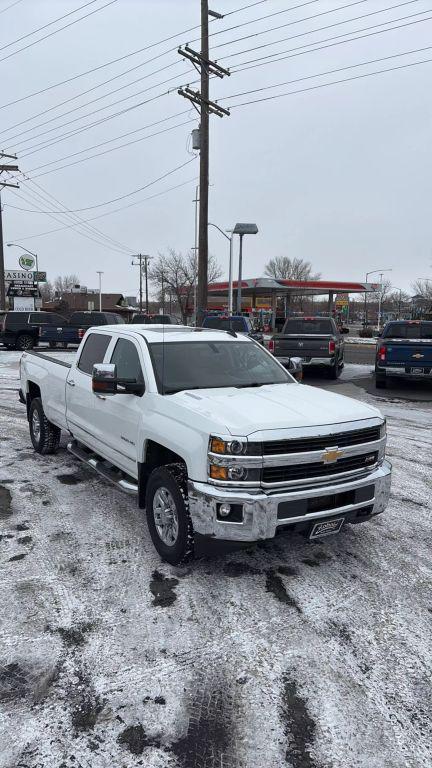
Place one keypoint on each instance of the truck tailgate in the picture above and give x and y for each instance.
(301, 346)
(408, 353)
(63, 334)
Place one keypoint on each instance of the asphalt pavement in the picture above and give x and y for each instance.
(290, 653)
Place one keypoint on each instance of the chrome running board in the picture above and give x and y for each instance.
(116, 476)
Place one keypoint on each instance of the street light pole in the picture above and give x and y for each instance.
(98, 272)
(230, 269)
(240, 267)
(242, 229)
(373, 272)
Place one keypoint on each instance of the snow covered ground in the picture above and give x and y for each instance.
(309, 655)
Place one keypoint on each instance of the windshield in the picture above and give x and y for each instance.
(313, 325)
(413, 330)
(207, 364)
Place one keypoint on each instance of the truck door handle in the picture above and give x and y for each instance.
(71, 383)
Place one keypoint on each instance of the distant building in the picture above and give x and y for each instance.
(72, 301)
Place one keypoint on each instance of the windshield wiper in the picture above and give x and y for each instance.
(253, 384)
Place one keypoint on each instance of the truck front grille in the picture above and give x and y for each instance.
(305, 444)
(293, 472)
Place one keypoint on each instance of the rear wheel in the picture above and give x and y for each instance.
(335, 371)
(167, 510)
(24, 341)
(44, 435)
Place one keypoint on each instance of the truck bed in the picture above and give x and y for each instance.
(50, 371)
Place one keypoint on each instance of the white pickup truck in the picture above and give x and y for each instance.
(211, 433)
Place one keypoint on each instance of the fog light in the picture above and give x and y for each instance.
(237, 473)
(224, 510)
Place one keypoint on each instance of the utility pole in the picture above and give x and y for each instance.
(142, 257)
(205, 107)
(3, 168)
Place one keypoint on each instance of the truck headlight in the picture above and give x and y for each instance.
(236, 447)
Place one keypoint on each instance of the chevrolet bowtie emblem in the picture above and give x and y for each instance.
(331, 455)
(418, 356)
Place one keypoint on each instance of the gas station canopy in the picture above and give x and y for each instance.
(269, 286)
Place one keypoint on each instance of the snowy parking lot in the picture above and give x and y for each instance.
(289, 653)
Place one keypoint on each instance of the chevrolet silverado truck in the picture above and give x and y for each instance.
(404, 350)
(210, 433)
(316, 340)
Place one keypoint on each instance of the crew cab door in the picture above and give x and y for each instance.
(80, 400)
(117, 418)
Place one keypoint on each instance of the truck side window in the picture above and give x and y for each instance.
(93, 352)
(125, 357)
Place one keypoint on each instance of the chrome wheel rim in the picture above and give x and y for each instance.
(165, 516)
(36, 427)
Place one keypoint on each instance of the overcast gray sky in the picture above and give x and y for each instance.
(339, 175)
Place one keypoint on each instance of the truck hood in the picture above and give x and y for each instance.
(274, 407)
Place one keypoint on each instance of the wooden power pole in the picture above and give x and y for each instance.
(205, 107)
(3, 168)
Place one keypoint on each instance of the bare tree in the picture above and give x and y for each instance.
(422, 288)
(47, 291)
(65, 283)
(284, 268)
(176, 273)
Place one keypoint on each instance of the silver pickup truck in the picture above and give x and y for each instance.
(210, 433)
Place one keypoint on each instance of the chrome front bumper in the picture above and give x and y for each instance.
(260, 511)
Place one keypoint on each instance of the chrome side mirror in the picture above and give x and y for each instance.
(104, 379)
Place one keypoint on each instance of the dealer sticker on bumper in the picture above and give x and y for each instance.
(326, 528)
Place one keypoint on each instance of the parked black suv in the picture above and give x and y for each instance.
(20, 330)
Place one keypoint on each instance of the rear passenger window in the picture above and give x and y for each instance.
(125, 357)
(94, 351)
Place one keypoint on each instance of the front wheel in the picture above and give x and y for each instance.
(167, 511)
(44, 435)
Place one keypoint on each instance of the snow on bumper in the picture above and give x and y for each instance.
(259, 515)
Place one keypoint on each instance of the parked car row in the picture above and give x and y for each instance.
(25, 330)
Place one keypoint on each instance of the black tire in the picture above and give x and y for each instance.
(24, 341)
(46, 436)
(171, 479)
(380, 381)
(335, 371)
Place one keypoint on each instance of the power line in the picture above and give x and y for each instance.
(45, 26)
(10, 6)
(245, 7)
(134, 192)
(333, 82)
(47, 198)
(12, 139)
(311, 31)
(328, 72)
(109, 213)
(264, 60)
(109, 141)
(85, 234)
(50, 34)
(267, 16)
(89, 125)
(89, 90)
(118, 59)
(114, 149)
